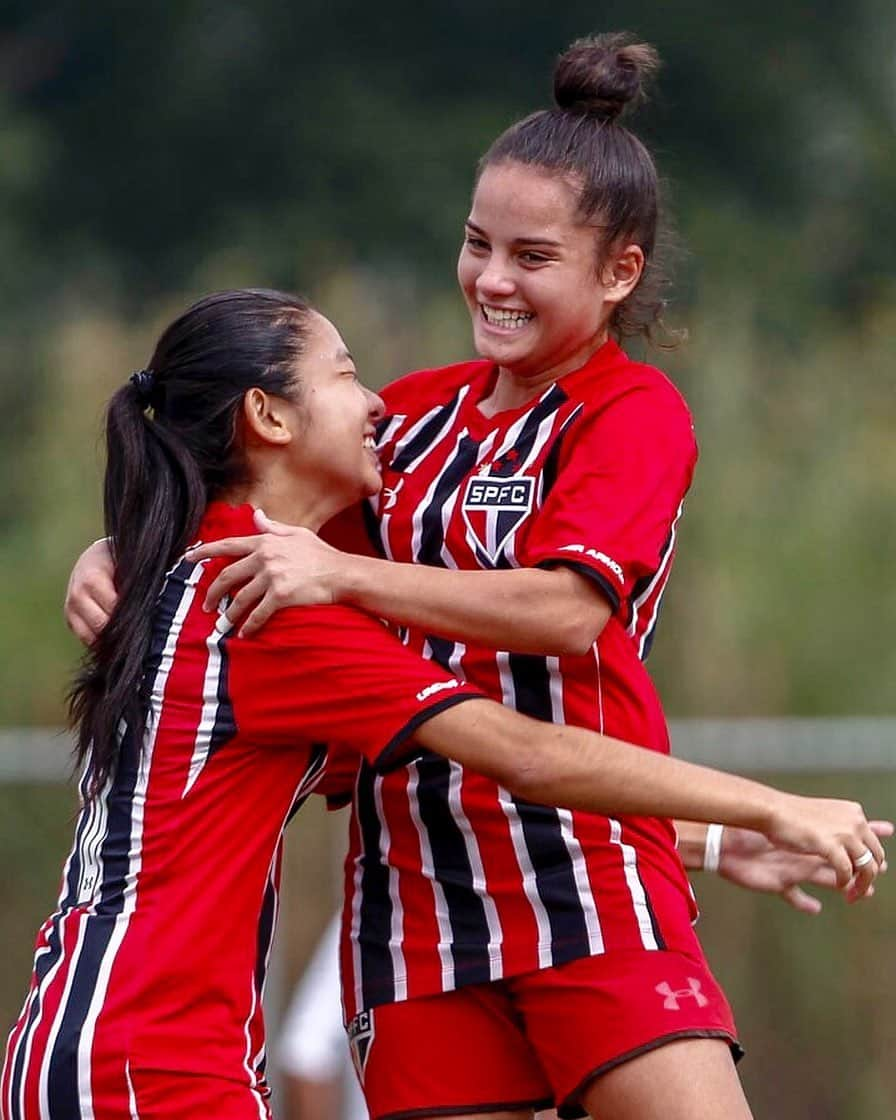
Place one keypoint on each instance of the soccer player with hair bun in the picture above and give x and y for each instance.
(500, 956)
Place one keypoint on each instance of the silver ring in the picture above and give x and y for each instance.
(864, 859)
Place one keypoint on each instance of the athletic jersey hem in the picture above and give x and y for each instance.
(391, 757)
(467, 1109)
(604, 585)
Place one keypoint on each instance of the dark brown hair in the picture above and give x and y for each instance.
(172, 443)
(595, 81)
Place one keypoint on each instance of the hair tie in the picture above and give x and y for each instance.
(144, 381)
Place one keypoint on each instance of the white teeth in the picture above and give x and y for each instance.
(370, 443)
(506, 317)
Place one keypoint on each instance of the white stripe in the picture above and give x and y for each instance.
(253, 1079)
(355, 931)
(132, 1096)
(474, 856)
(210, 700)
(44, 1074)
(517, 836)
(421, 423)
(428, 871)
(645, 595)
(122, 920)
(419, 512)
(567, 831)
(600, 691)
(542, 435)
(39, 993)
(635, 887)
(396, 930)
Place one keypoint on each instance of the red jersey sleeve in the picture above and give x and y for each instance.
(622, 474)
(332, 674)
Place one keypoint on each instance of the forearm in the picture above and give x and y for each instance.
(529, 610)
(577, 769)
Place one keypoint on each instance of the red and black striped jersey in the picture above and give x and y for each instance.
(451, 880)
(155, 958)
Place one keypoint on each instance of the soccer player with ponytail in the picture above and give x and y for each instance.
(499, 955)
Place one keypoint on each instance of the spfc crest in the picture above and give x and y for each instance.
(360, 1036)
(494, 508)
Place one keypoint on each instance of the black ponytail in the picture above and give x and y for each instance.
(172, 445)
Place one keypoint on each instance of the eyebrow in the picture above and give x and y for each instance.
(518, 240)
(345, 355)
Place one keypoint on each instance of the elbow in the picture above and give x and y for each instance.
(529, 779)
(577, 637)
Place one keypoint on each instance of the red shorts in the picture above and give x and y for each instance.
(533, 1040)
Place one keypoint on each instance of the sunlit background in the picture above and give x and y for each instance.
(151, 153)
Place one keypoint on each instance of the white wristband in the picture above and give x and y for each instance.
(712, 852)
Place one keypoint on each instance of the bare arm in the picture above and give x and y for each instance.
(529, 610)
(561, 765)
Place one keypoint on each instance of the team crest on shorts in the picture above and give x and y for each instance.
(494, 508)
(360, 1035)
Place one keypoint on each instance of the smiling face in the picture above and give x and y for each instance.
(528, 272)
(333, 452)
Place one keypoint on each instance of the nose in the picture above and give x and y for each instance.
(495, 279)
(376, 406)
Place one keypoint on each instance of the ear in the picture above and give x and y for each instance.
(267, 419)
(622, 272)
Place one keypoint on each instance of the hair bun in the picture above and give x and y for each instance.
(604, 74)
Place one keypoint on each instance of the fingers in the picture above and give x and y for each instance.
(882, 828)
(244, 600)
(873, 844)
(239, 572)
(259, 616)
(86, 630)
(229, 546)
(268, 525)
(799, 900)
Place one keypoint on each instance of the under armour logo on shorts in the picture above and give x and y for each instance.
(673, 995)
(360, 1035)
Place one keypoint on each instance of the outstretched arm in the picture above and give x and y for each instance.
(561, 765)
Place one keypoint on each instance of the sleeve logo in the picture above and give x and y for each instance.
(437, 686)
(594, 554)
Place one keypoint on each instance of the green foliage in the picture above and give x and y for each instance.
(330, 147)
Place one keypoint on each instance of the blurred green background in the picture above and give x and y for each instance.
(151, 153)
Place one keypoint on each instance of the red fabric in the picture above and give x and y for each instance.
(470, 885)
(545, 1034)
(155, 958)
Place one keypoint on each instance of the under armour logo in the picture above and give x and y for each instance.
(673, 995)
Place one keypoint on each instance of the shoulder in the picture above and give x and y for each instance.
(345, 630)
(638, 395)
(427, 388)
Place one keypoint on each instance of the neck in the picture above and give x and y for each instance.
(310, 511)
(513, 389)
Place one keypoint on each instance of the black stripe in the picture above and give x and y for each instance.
(432, 537)
(553, 399)
(551, 862)
(466, 911)
(375, 927)
(224, 728)
(424, 438)
(62, 1084)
